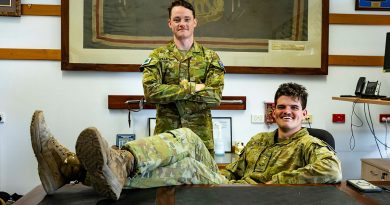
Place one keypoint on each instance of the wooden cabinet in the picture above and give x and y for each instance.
(376, 169)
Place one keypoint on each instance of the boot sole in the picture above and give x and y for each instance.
(51, 180)
(91, 149)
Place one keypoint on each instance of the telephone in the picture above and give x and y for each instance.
(360, 86)
(372, 88)
(367, 90)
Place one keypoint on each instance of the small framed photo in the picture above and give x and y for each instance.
(226, 131)
(373, 5)
(152, 125)
(122, 139)
(10, 8)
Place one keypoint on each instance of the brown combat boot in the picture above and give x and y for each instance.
(57, 166)
(107, 168)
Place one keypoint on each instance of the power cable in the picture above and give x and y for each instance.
(352, 138)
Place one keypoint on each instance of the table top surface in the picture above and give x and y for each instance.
(362, 100)
(214, 194)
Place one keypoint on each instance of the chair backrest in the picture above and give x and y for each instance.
(322, 135)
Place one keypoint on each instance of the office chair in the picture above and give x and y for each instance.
(322, 135)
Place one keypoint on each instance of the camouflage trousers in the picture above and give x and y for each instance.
(173, 158)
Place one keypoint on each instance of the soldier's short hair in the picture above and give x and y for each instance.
(292, 90)
(182, 3)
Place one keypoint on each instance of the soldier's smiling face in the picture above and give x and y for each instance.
(182, 23)
(289, 114)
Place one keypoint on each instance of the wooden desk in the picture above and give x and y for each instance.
(215, 194)
(362, 100)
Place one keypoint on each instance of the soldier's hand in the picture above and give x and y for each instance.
(199, 87)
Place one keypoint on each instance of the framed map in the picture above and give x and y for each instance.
(251, 36)
(10, 8)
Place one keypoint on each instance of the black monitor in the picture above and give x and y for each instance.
(386, 63)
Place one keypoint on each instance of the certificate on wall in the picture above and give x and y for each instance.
(226, 130)
(152, 125)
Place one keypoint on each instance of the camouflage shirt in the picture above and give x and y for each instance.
(297, 160)
(169, 79)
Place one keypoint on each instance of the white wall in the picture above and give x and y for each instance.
(73, 101)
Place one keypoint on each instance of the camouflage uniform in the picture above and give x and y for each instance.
(180, 157)
(297, 160)
(169, 80)
(173, 158)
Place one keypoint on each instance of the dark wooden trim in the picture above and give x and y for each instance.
(325, 39)
(119, 102)
(41, 10)
(349, 60)
(64, 34)
(359, 19)
(29, 54)
(98, 67)
(275, 70)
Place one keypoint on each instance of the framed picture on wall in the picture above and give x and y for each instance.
(122, 139)
(10, 8)
(374, 5)
(226, 131)
(224, 122)
(152, 125)
(249, 37)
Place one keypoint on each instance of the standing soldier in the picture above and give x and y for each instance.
(183, 78)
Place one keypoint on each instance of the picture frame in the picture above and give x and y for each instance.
(226, 128)
(10, 8)
(372, 5)
(151, 125)
(122, 139)
(306, 57)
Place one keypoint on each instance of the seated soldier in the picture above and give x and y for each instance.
(288, 155)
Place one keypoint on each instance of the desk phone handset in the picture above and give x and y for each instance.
(360, 86)
(367, 89)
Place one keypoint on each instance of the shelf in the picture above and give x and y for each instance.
(132, 102)
(362, 100)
